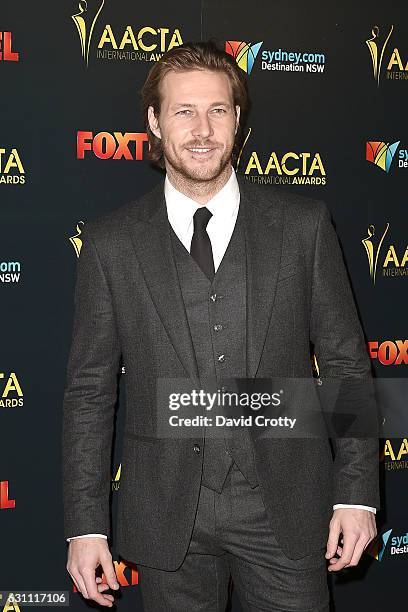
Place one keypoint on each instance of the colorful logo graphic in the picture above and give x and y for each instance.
(393, 264)
(276, 60)
(75, 240)
(6, 52)
(85, 20)
(381, 153)
(398, 545)
(243, 53)
(375, 549)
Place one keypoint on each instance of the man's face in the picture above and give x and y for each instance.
(197, 123)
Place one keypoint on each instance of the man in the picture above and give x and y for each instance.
(208, 277)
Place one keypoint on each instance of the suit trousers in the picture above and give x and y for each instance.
(232, 543)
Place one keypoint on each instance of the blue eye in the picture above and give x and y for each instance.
(182, 112)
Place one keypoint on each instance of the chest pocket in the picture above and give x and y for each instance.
(289, 268)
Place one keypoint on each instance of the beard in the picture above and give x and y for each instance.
(194, 170)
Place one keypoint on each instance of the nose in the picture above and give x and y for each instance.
(202, 126)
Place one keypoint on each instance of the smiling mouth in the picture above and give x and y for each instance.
(200, 150)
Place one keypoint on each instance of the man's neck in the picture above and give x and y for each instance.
(199, 191)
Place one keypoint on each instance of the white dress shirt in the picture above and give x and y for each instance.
(224, 207)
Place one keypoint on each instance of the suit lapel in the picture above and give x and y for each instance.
(263, 220)
(149, 231)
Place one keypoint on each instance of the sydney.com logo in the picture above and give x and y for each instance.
(279, 60)
(395, 545)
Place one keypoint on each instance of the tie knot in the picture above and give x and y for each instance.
(201, 217)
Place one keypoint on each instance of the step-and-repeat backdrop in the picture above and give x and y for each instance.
(328, 83)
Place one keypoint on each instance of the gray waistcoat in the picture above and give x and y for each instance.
(216, 314)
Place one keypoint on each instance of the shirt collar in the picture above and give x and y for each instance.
(181, 208)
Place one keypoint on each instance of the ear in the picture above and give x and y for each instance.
(153, 122)
(238, 113)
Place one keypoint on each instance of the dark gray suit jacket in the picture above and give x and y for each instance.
(128, 304)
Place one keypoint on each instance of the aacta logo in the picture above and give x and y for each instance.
(76, 239)
(243, 53)
(11, 394)
(116, 479)
(395, 260)
(10, 604)
(292, 167)
(146, 44)
(395, 67)
(85, 21)
(11, 168)
(105, 145)
(6, 53)
(5, 502)
(126, 575)
(394, 455)
(389, 352)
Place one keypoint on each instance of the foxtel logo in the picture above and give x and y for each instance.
(120, 569)
(5, 501)
(389, 352)
(6, 54)
(105, 145)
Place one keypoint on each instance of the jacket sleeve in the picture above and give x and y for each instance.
(340, 349)
(89, 401)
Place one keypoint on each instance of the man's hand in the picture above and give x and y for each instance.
(358, 528)
(84, 556)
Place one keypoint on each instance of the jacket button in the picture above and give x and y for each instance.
(221, 358)
(217, 327)
(196, 448)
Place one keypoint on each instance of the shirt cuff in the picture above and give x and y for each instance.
(374, 510)
(88, 535)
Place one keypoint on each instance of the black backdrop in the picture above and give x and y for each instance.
(312, 120)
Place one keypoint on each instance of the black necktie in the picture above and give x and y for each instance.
(200, 248)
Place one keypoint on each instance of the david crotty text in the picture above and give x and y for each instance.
(222, 421)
